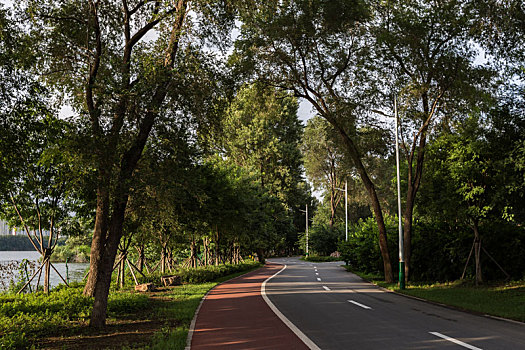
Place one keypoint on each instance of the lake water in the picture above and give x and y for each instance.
(10, 260)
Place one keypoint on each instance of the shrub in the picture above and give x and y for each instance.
(314, 258)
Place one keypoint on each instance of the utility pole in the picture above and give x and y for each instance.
(346, 211)
(306, 230)
(346, 208)
(400, 229)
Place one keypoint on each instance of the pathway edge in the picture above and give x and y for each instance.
(191, 330)
(307, 341)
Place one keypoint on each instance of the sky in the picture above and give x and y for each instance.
(305, 111)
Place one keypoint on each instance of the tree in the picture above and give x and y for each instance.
(34, 175)
(120, 82)
(317, 50)
(38, 182)
(428, 54)
(473, 175)
(262, 133)
(323, 161)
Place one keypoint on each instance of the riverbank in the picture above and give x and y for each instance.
(12, 271)
(135, 320)
(499, 299)
(20, 242)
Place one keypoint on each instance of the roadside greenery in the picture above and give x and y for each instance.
(501, 299)
(315, 258)
(184, 149)
(26, 318)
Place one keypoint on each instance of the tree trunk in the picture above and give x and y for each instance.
(332, 205)
(407, 228)
(477, 253)
(103, 281)
(47, 270)
(217, 249)
(260, 255)
(99, 234)
(372, 194)
(142, 257)
(163, 259)
(122, 271)
(193, 258)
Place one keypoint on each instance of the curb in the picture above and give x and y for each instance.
(451, 307)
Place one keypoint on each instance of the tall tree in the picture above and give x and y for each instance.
(428, 54)
(262, 133)
(116, 61)
(317, 50)
(323, 161)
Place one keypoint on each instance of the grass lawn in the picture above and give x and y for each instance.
(506, 299)
(154, 320)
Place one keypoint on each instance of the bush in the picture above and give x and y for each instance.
(323, 239)
(321, 258)
(78, 254)
(439, 252)
(210, 273)
(201, 274)
(362, 249)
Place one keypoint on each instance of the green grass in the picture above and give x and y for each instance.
(506, 300)
(498, 299)
(64, 311)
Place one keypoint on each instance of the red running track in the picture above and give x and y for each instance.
(234, 315)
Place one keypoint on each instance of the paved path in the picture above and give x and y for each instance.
(234, 315)
(338, 310)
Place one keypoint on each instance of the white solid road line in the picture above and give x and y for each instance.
(283, 318)
(358, 304)
(326, 288)
(318, 279)
(459, 342)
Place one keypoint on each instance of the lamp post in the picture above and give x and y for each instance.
(306, 212)
(307, 230)
(346, 209)
(400, 226)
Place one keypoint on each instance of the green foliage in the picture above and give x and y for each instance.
(76, 249)
(206, 273)
(261, 133)
(440, 251)
(25, 316)
(314, 258)
(361, 251)
(323, 239)
(120, 303)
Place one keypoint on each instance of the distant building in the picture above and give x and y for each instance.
(5, 229)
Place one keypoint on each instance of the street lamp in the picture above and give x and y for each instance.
(346, 208)
(400, 226)
(306, 212)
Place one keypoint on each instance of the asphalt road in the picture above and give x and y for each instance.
(338, 310)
